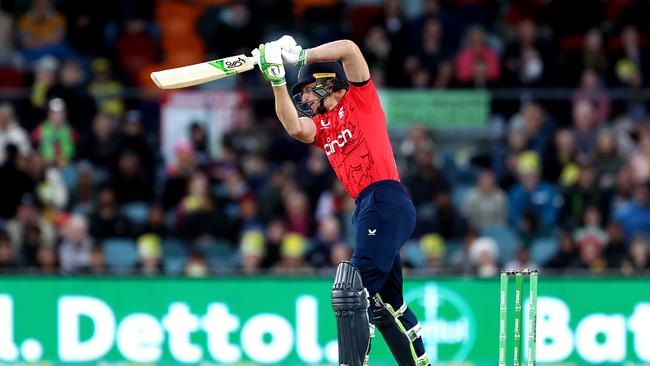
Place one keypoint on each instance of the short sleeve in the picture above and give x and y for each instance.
(365, 95)
(317, 139)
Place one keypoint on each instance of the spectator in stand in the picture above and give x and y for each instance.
(55, 138)
(592, 55)
(432, 247)
(106, 90)
(130, 180)
(475, 56)
(47, 260)
(536, 125)
(561, 166)
(584, 123)
(14, 183)
(591, 256)
(394, 24)
(97, 261)
(377, 48)
(567, 255)
(638, 258)
(11, 133)
(522, 260)
(483, 253)
(199, 218)
(640, 158)
(419, 139)
(7, 260)
(486, 203)
(76, 246)
(623, 187)
(533, 199)
(235, 29)
(607, 160)
(198, 137)
(49, 187)
(447, 220)
(632, 58)
(580, 196)
(72, 89)
(155, 223)
(100, 145)
(149, 255)
(196, 266)
(616, 250)
(591, 90)
(292, 252)
(591, 229)
(252, 250)
(298, 216)
(133, 138)
(327, 236)
(460, 259)
(106, 221)
(81, 194)
(634, 214)
(430, 53)
(340, 252)
(248, 216)
(432, 9)
(177, 174)
(526, 60)
(245, 137)
(275, 231)
(41, 31)
(136, 48)
(28, 231)
(504, 159)
(315, 176)
(6, 37)
(45, 77)
(425, 181)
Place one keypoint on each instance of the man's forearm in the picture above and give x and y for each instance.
(332, 51)
(288, 115)
(345, 51)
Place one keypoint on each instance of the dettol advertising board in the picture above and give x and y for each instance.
(279, 321)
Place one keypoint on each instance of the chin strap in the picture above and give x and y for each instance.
(321, 108)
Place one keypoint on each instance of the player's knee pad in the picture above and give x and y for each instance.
(398, 338)
(350, 303)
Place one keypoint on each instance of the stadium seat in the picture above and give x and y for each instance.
(221, 255)
(174, 256)
(136, 212)
(507, 240)
(121, 255)
(451, 247)
(458, 194)
(412, 253)
(543, 249)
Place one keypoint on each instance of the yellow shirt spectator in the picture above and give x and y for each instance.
(41, 26)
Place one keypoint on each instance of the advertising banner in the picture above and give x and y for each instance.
(444, 109)
(279, 321)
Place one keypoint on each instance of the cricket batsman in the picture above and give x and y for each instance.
(335, 107)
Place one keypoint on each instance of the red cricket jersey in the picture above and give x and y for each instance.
(355, 139)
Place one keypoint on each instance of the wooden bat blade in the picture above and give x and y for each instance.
(200, 73)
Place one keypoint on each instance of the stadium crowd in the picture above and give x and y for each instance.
(84, 187)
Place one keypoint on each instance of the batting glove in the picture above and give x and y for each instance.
(269, 58)
(292, 53)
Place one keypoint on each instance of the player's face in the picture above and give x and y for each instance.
(309, 97)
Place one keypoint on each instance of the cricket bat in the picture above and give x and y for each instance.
(181, 77)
